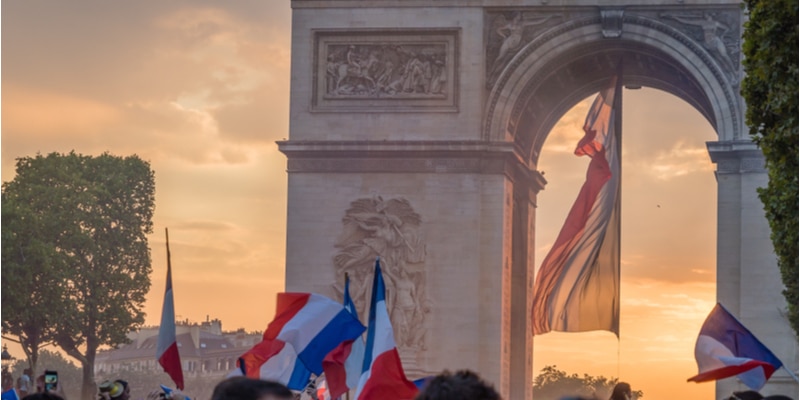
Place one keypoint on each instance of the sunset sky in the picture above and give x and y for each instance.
(201, 90)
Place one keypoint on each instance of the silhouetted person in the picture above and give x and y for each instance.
(622, 391)
(747, 395)
(43, 396)
(778, 397)
(463, 385)
(243, 388)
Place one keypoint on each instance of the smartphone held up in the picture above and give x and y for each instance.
(50, 380)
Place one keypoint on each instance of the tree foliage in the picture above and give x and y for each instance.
(552, 383)
(770, 91)
(29, 265)
(92, 217)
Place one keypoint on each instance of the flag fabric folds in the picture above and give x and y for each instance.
(577, 286)
(305, 329)
(343, 365)
(276, 361)
(314, 325)
(726, 348)
(167, 345)
(382, 375)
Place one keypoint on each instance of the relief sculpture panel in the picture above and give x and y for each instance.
(385, 71)
(389, 229)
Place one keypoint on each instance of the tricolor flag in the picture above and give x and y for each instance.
(577, 286)
(275, 360)
(167, 347)
(306, 327)
(726, 348)
(382, 376)
(343, 365)
(313, 325)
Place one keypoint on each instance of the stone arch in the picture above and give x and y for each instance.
(576, 59)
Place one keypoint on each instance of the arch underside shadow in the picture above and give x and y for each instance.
(584, 71)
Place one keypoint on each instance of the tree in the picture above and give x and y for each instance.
(29, 264)
(95, 213)
(552, 383)
(770, 91)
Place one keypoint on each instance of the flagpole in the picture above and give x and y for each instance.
(790, 373)
(347, 278)
(618, 211)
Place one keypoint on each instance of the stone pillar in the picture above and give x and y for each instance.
(747, 271)
(526, 185)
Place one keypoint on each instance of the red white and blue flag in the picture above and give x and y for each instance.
(382, 375)
(167, 347)
(343, 365)
(577, 286)
(274, 360)
(306, 328)
(726, 348)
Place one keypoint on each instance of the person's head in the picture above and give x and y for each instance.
(115, 390)
(43, 396)
(778, 397)
(40, 383)
(27, 371)
(746, 395)
(126, 390)
(243, 388)
(462, 385)
(622, 391)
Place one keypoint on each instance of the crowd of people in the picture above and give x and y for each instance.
(461, 385)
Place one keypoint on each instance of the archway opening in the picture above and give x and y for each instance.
(668, 272)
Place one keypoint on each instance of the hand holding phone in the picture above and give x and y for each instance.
(50, 381)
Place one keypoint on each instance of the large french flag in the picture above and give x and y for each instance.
(382, 375)
(275, 360)
(343, 365)
(726, 348)
(305, 329)
(167, 347)
(577, 286)
(313, 325)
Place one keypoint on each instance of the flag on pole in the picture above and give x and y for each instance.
(577, 286)
(726, 348)
(313, 325)
(274, 360)
(305, 329)
(343, 365)
(167, 347)
(382, 375)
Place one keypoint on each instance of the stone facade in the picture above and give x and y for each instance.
(415, 133)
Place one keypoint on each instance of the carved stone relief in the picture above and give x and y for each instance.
(508, 32)
(385, 70)
(717, 32)
(389, 229)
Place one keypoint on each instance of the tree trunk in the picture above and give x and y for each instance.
(88, 388)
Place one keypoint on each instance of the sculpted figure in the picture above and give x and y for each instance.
(386, 229)
(512, 32)
(713, 31)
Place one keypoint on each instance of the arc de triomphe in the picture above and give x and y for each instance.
(415, 133)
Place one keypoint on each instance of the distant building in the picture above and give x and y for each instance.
(204, 348)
